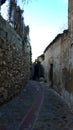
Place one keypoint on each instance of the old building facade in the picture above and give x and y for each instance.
(58, 61)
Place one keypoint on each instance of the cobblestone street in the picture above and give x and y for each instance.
(37, 107)
(54, 113)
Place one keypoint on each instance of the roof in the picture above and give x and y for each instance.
(55, 39)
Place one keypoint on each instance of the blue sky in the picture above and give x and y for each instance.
(46, 19)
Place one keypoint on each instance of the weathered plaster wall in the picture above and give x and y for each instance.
(61, 56)
(52, 56)
(46, 63)
(14, 63)
(67, 69)
(65, 56)
(57, 64)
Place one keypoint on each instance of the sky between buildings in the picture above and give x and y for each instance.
(46, 19)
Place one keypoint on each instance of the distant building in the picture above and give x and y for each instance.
(40, 58)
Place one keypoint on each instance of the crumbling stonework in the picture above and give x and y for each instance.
(14, 62)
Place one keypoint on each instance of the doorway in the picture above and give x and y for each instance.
(51, 74)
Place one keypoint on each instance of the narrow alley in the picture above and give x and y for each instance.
(37, 107)
(36, 91)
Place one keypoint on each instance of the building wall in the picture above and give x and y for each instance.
(52, 56)
(70, 16)
(14, 62)
(57, 64)
(46, 63)
(59, 54)
(67, 70)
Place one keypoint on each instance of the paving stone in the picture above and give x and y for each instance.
(71, 125)
(54, 113)
(12, 113)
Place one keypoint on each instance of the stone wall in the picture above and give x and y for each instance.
(14, 62)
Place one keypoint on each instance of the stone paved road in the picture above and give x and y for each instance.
(53, 114)
(31, 116)
(12, 113)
